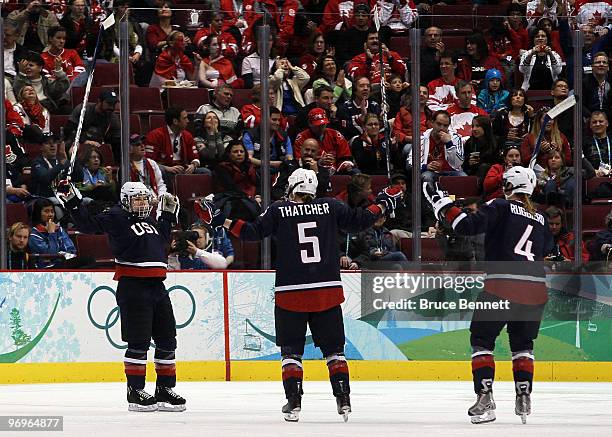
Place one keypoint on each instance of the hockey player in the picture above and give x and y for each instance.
(138, 242)
(517, 235)
(308, 286)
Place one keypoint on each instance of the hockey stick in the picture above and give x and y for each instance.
(548, 117)
(107, 23)
(383, 98)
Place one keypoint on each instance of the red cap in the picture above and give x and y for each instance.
(317, 117)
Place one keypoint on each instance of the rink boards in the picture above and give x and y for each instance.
(64, 327)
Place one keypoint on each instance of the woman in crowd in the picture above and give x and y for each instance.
(367, 149)
(316, 51)
(510, 126)
(211, 146)
(48, 237)
(288, 82)
(493, 182)
(557, 182)
(172, 64)
(553, 140)
(157, 34)
(36, 117)
(477, 60)
(237, 184)
(480, 150)
(214, 67)
(327, 73)
(540, 65)
(97, 180)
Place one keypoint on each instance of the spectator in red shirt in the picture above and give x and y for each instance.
(463, 111)
(68, 59)
(172, 64)
(493, 182)
(316, 50)
(215, 68)
(517, 26)
(474, 65)
(229, 45)
(564, 239)
(368, 63)
(402, 124)
(251, 112)
(157, 33)
(336, 153)
(172, 146)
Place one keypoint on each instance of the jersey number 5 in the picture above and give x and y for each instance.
(523, 247)
(314, 241)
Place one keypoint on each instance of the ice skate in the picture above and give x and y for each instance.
(483, 410)
(522, 406)
(140, 400)
(291, 410)
(343, 402)
(168, 400)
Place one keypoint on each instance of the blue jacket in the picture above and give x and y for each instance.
(489, 101)
(44, 243)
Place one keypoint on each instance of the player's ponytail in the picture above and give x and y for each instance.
(527, 203)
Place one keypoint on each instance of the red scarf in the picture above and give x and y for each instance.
(35, 112)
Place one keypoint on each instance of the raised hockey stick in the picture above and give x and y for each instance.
(550, 115)
(107, 23)
(383, 98)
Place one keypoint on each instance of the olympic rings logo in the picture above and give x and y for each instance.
(113, 316)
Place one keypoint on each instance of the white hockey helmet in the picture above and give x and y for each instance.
(519, 180)
(302, 181)
(132, 190)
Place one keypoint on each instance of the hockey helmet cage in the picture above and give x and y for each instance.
(131, 190)
(519, 180)
(302, 181)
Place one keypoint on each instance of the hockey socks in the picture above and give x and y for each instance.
(293, 374)
(165, 367)
(338, 374)
(483, 369)
(135, 362)
(522, 369)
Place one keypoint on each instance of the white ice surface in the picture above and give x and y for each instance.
(380, 409)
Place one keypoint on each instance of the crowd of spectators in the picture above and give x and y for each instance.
(327, 66)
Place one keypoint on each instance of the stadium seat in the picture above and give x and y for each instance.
(145, 100)
(593, 217)
(401, 45)
(539, 98)
(241, 97)
(453, 42)
(56, 122)
(77, 94)
(461, 186)
(453, 19)
(31, 149)
(592, 184)
(94, 246)
(378, 183)
(155, 121)
(484, 13)
(338, 184)
(16, 212)
(107, 74)
(189, 99)
(190, 186)
(430, 249)
(135, 127)
(247, 254)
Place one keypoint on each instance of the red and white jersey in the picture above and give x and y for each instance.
(72, 64)
(441, 94)
(338, 14)
(361, 66)
(395, 15)
(595, 12)
(461, 119)
(251, 117)
(227, 42)
(533, 15)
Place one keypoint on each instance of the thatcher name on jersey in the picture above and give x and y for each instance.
(304, 209)
(517, 209)
(426, 304)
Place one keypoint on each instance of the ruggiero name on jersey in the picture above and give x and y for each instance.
(304, 209)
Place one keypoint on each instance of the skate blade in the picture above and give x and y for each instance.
(142, 408)
(345, 414)
(292, 416)
(488, 416)
(524, 418)
(165, 406)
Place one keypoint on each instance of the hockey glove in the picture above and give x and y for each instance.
(206, 210)
(389, 197)
(67, 194)
(169, 203)
(438, 199)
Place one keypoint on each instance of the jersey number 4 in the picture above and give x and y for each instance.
(313, 241)
(523, 247)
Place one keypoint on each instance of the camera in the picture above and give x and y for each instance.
(181, 238)
(555, 255)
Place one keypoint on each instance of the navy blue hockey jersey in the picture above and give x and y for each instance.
(516, 241)
(307, 267)
(138, 245)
